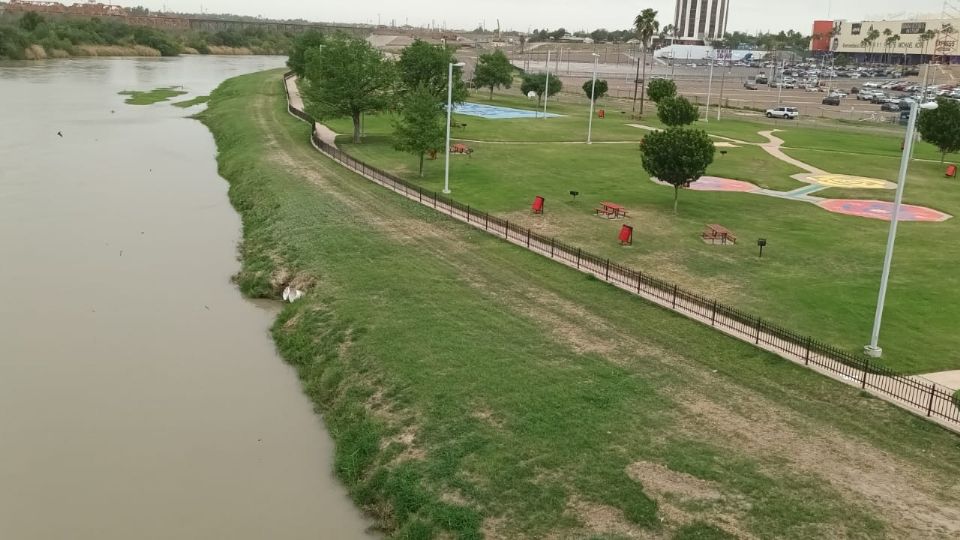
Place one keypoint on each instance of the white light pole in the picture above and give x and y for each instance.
(780, 84)
(593, 98)
(546, 87)
(874, 349)
(446, 170)
(706, 116)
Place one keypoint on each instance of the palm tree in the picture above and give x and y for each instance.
(872, 38)
(889, 43)
(886, 43)
(646, 26)
(925, 38)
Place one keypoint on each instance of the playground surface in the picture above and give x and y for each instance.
(492, 112)
(820, 180)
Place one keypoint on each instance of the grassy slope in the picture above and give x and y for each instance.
(474, 388)
(821, 271)
(149, 97)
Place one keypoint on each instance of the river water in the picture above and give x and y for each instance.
(140, 394)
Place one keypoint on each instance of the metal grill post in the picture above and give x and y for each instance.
(933, 389)
(675, 296)
(759, 324)
(713, 316)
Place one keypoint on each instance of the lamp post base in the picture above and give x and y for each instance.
(447, 191)
(873, 352)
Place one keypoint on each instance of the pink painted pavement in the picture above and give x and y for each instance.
(882, 210)
(713, 183)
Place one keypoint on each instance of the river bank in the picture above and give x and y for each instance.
(476, 390)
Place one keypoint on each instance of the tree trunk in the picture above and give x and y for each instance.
(421, 164)
(491, 93)
(356, 128)
(943, 157)
(676, 196)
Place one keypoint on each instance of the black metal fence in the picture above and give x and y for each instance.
(922, 396)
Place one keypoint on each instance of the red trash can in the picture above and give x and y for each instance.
(951, 171)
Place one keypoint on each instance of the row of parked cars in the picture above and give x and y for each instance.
(883, 94)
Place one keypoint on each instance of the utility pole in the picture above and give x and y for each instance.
(723, 79)
(636, 81)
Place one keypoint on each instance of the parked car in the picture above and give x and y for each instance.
(749, 85)
(890, 107)
(878, 99)
(786, 113)
(831, 100)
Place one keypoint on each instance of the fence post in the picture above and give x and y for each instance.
(639, 281)
(434, 199)
(553, 242)
(420, 194)
(863, 381)
(806, 357)
(468, 213)
(528, 238)
(607, 275)
(675, 296)
(713, 316)
(579, 250)
(486, 221)
(759, 324)
(506, 230)
(933, 389)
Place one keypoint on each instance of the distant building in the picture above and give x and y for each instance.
(849, 37)
(698, 22)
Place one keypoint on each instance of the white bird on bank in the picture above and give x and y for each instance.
(292, 295)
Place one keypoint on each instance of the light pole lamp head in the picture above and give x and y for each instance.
(458, 64)
(929, 106)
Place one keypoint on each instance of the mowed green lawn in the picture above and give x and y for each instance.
(820, 271)
(475, 389)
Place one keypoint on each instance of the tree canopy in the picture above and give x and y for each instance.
(537, 82)
(659, 89)
(601, 90)
(494, 70)
(424, 64)
(311, 39)
(419, 129)
(347, 77)
(677, 156)
(646, 25)
(941, 126)
(677, 111)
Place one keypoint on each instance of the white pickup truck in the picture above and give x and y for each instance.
(786, 113)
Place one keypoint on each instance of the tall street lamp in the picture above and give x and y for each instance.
(446, 170)
(874, 349)
(593, 98)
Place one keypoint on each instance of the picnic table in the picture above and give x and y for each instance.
(714, 232)
(610, 210)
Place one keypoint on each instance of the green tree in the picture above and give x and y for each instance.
(601, 90)
(311, 39)
(646, 26)
(677, 156)
(658, 89)
(677, 111)
(423, 64)
(30, 21)
(347, 77)
(494, 70)
(420, 126)
(941, 126)
(537, 82)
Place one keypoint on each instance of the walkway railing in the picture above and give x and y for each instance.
(913, 393)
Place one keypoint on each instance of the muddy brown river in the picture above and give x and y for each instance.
(140, 395)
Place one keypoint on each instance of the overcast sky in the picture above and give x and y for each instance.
(745, 15)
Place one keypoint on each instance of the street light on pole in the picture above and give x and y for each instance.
(593, 98)
(873, 349)
(446, 170)
(546, 87)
